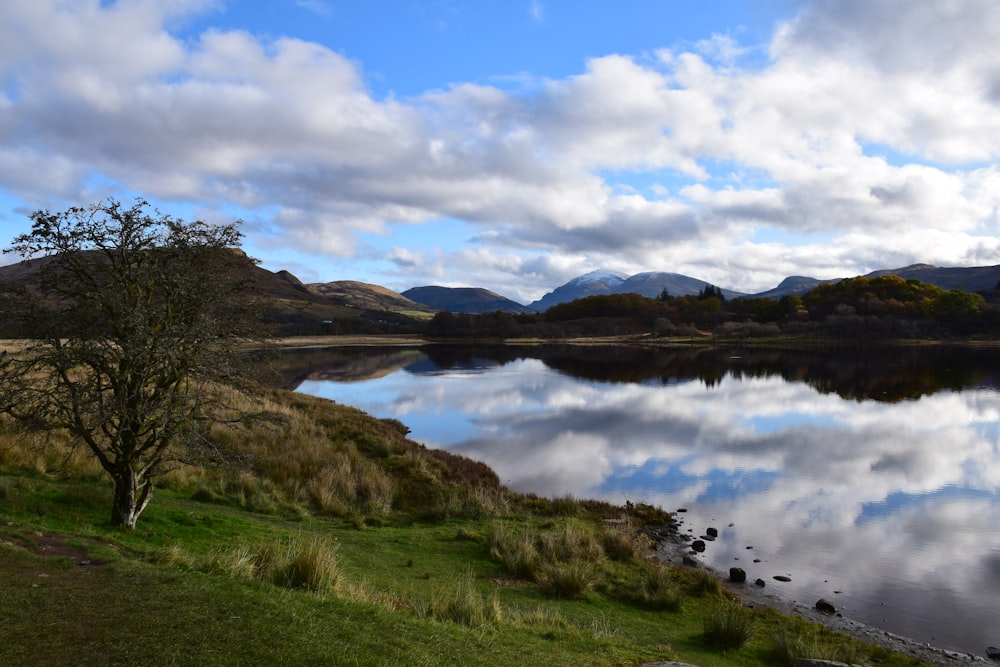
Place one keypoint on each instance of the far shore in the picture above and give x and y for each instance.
(347, 340)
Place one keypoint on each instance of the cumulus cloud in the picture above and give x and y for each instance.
(875, 123)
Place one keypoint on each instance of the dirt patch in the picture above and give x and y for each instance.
(50, 545)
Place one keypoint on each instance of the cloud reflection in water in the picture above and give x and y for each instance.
(893, 504)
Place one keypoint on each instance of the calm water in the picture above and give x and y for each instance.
(872, 480)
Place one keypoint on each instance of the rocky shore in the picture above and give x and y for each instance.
(676, 549)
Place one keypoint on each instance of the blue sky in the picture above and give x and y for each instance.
(515, 145)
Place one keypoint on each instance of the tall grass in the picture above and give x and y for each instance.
(657, 587)
(569, 579)
(514, 548)
(304, 562)
(567, 558)
(461, 601)
(701, 582)
(728, 627)
(791, 645)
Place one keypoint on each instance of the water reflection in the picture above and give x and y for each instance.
(870, 479)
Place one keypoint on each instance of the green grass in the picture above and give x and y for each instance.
(411, 594)
(344, 543)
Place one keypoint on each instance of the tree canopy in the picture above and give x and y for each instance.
(132, 315)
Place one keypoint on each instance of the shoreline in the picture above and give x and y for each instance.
(674, 550)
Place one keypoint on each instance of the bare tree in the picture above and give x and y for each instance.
(132, 315)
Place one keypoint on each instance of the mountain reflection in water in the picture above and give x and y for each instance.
(869, 477)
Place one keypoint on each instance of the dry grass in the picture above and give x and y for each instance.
(279, 451)
(306, 562)
(462, 602)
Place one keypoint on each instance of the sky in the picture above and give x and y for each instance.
(516, 144)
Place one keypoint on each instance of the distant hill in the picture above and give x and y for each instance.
(589, 284)
(793, 285)
(463, 300)
(366, 296)
(970, 279)
(291, 306)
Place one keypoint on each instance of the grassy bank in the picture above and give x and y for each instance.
(332, 539)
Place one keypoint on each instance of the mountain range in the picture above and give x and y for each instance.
(653, 283)
(301, 305)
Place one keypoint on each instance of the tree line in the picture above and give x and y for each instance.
(859, 308)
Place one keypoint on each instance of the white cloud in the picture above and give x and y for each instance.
(876, 123)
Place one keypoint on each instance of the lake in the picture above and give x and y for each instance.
(870, 478)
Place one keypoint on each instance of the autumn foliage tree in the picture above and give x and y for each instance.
(131, 315)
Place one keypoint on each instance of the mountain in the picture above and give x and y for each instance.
(463, 300)
(793, 285)
(652, 283)
(366, 296)
(589, 284)
(649, 284)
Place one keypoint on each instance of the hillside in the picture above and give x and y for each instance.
(464, 300)
(286, 303)
(970, 279)
(792, 285)
(366, 296)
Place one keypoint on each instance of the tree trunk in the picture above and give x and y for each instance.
(132, 494)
